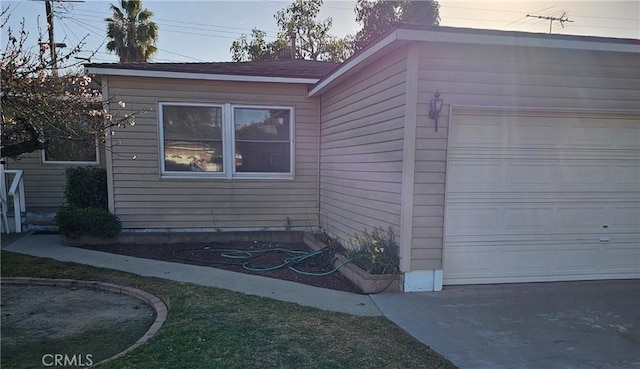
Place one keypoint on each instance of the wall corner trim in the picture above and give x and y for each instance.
(409, 158)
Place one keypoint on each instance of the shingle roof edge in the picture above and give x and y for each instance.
(414, 32)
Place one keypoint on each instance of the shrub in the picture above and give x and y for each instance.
(86, 187)
(324, 237)
(95, 222)
(375, 251)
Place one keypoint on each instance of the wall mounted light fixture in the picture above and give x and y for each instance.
(436, 108)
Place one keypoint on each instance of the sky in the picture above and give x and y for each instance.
(202, 31)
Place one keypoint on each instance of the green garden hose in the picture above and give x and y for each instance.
(322, 260)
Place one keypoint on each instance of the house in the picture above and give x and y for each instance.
(531, 171)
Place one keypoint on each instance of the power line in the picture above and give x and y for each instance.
(209, 25)
(524, 19)
(171, 28)
(89, 27)
(12, 10)
(603, 27)
(484, 10)
(537, 11)
(86, 26)
(613, 18)
(338, 7)
(202, 34)
(521, 21)
(65, 28)
(161, 21)
(77, 17)
(184, 56)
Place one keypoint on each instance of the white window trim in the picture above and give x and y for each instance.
(43, 159)
(228, 145)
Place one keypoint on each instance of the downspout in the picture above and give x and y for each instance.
(319, 153)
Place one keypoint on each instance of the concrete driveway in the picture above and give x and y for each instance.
(579, 325)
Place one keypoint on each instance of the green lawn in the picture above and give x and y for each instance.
(214, 328)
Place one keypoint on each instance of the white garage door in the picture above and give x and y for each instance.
(541, 196)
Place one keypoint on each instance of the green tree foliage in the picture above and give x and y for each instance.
(257, 48)
(376, 17)
(313, 40)
(311, 35)
(132, 35)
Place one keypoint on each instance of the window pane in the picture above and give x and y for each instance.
(262, 124)
(201, 122)
(70, 150)
(191, 156)
(265, 157)
(192, 138)
(262, 138)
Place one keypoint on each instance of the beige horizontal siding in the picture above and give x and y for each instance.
(142, 199)
(44, 183)
(509, 77)
(361, 149)
(530, 77)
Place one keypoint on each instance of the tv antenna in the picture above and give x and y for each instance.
(562, 19)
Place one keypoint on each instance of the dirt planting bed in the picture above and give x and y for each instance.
(266, 258)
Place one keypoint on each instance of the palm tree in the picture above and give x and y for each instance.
(131, 32)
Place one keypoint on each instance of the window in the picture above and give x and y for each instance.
(70, 151)
(192, 138)
(226, 141)
(262, 140)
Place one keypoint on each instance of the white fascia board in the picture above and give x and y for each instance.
(470, 38)
(514, 40)
(198, 76)
(352, 63)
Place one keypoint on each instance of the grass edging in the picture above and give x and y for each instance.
(156, 303)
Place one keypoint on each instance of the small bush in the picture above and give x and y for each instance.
(95, 222)
(375, 251)
(324, 237)
(86, 187)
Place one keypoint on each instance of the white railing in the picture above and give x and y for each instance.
(16, 190)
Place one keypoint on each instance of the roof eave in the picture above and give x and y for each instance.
(505, 38)
(462, 37)
(199, 76)
(353, 63)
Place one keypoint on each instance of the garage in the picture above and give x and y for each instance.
(541, 195)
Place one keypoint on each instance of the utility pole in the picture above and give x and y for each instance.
(563, 18)
(52, 43)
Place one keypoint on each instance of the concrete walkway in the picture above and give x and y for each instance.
(559, 325)
(50, 246)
